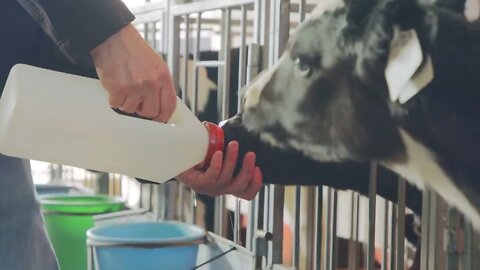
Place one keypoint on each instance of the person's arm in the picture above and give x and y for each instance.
(78, 26)
(135, 76)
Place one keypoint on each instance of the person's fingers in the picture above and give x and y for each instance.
(187, 177)
(116, 100)
(229, 163)
(151, 105)
(131, 103)
(241, 181)
(213, 171)
(253, 187)
(207, 186)
(168, 100)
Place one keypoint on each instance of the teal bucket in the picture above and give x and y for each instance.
(146, 246)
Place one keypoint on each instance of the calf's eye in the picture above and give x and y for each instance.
(303, 67)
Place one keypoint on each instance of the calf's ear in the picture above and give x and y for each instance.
(408, 70)
(389, 52)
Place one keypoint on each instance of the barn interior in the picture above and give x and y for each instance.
(214, 49)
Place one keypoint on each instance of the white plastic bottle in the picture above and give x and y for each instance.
(61, 118)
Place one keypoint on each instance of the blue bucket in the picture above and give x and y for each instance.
(146, 245)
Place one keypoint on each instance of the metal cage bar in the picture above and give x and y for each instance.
(296, 229)
(401, 223)
(372, 203)
(318, 232)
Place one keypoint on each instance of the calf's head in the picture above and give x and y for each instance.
(327, 96)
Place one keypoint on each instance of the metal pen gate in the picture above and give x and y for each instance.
(259, 29)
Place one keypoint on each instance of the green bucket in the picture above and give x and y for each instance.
(68, 218)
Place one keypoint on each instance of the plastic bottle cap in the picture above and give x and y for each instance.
(215, 143)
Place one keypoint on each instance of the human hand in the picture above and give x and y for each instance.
(135, 76)
(218, 179)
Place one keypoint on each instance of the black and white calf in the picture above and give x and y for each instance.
(392, 81)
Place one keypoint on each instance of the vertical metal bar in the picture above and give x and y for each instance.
(224, 80)
(185, 99)
(334, 251)
(173, 47)
(311, 229)
(242, 71)
(193, 198)
(252, 222)
(266, 204)
(170, 189)
(58, 173)
(257, 21)
(186, 60)
(452, 231)
(296, 229)
(236, 225)
(385, 235)
(272, 37)
(432, 230)
(181, 202)
(196, 58)
(402, 187)
(468, 249)
(226, 51)
(352, 256)
(264, 37)
(280, 20)
(220, 216)
(193, 103)
(372, 194)
(475, 258)
(154, 30)
(276, 203)
(166, 28)
(283, 25)
(424, 260)
(356, 231)
(302, 9)
(253, 62)
(163, 32)
(393, 239)
(150, 196)
(161, 211)
(146, 33)
(328, 250)
(253, 215)
(267, 218)
(318, 226)
(241, 82)
(261, 22)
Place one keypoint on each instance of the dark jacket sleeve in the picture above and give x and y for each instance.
(78, 26)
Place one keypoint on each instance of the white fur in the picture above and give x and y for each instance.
(422, 170)
(321, 152)
(326, 5)
(252, 96)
